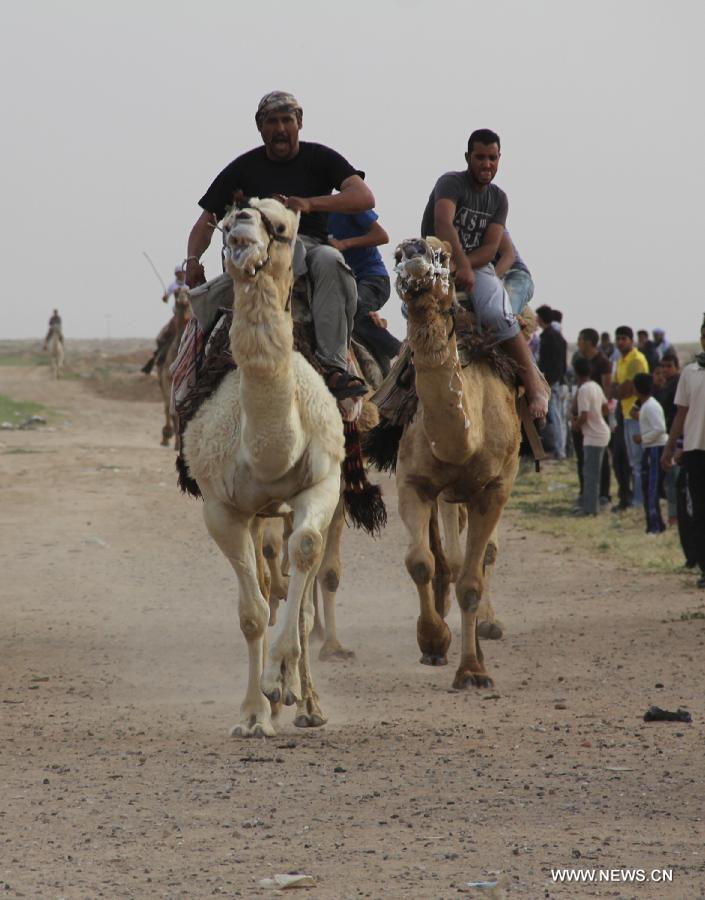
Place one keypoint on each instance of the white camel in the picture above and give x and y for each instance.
(271, 434)
(55, 345)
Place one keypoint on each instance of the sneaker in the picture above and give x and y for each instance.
(700, 582)
(605, 501)
(620, 507)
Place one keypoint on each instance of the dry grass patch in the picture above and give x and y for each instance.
(545, 501)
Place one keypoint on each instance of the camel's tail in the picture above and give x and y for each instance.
(363, 501)
(441, 577)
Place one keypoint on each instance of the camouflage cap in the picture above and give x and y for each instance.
(277, 101)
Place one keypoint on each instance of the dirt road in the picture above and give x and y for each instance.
(123, 667)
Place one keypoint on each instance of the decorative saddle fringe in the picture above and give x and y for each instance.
(363, 501)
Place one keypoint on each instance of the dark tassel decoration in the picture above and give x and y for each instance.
(363, 501)
(187, 484)
(381, 446)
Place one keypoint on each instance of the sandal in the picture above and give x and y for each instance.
(343, 385)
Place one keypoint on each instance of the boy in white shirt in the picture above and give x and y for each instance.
(652, 437)
(592, 408)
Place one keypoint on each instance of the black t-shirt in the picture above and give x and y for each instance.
(599, 366)
(314, 172)
(666, 396)
(553, 355)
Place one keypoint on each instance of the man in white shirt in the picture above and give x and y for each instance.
(689, 424)
(592, 408)
(652, 437)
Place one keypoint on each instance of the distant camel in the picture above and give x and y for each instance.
(55, 345)
(182, 313)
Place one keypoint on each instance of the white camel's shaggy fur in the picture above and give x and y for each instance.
(216, 427)
(270, 434)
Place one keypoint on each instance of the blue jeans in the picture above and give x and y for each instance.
(592, 469)
(556, 419)
(634, 452)
(519, 285)
(372, 293)
(652, 480)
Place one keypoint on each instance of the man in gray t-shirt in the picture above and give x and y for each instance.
(469, 212)
(474, 209)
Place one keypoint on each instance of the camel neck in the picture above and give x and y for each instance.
(261, 341)
(439, 385)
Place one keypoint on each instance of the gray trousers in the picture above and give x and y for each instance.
(333, 299)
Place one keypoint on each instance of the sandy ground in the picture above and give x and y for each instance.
(123, 667)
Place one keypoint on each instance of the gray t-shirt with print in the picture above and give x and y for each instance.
(474, 210)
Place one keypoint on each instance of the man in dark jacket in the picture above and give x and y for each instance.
(552, 361)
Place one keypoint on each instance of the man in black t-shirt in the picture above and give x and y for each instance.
(302, 176)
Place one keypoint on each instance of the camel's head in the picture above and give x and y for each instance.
(182, 302)
(259, 234)
(423, 271)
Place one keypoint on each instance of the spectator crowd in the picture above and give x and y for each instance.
(625, 408)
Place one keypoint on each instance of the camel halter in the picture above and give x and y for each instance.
(273, 236)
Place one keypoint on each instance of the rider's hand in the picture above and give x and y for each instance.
(334, 242)
(464, 276)
(377, 319)
(299, 204)
(194, 273)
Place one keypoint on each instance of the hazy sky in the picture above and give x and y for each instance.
(117, 116)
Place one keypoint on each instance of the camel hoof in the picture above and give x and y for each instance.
(256, 730)
(289, 699)
(464, 680)
(433, 659)
(335, 651)
(309, 721)
(490, 631)
(274, 696)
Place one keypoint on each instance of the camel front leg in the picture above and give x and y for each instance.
(231, 532)
(470, 589)
(272, 545)
(488, 626)
(308, 713)
(450, 517)
(328, 581)
(313, 510)
(257, 532)
(432, 633)
(167, 429)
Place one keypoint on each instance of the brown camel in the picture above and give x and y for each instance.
(182, 313)
(462, 447)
